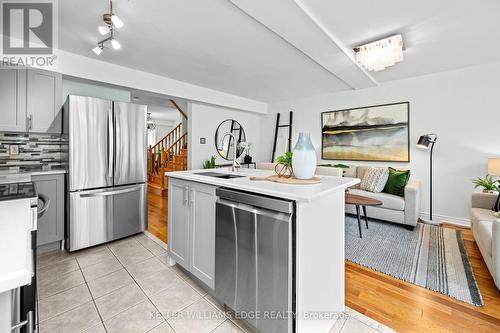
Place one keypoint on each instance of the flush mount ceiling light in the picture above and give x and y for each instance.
(111, 21)
(380, 54)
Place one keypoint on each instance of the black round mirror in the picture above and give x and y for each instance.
(228, 134)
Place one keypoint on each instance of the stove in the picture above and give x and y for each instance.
(14, 191)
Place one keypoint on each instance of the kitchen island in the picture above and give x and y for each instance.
(198, 241)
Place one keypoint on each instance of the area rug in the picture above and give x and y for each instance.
(429, 256)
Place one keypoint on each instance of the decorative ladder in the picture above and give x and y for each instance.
(169, 154)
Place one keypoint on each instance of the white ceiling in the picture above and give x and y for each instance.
(283, 49)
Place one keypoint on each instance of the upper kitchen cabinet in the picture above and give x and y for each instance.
(13, 100)
(43, 101)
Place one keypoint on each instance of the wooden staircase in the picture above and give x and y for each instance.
(169, 154)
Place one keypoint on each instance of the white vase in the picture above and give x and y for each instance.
(304, 157)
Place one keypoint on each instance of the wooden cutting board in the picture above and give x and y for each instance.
(291, 180)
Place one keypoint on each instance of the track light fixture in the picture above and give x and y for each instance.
(111, 21)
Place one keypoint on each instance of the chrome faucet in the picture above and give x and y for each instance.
(236, 164)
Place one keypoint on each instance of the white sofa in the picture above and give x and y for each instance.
(320, 170)
(394, 208)
(403, 210)
(486, 230)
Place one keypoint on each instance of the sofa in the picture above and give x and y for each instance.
(403, 210)
(486, 230)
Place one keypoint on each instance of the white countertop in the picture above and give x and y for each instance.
(7, 176)
(47, 172)
(16, 261)
(305, 193)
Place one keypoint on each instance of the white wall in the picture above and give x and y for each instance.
(203, 120)
(462, 107)
(92, 69)
(70, 87)
(163, 129)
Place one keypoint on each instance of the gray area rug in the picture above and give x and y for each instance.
(429, 256)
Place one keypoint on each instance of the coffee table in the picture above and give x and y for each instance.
(359, 200)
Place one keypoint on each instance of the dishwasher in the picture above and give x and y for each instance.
(254, 251)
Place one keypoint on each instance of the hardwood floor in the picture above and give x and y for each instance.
(408, 308)
(400, 305)
(158, 216)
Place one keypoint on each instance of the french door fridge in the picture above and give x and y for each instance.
(107, 193)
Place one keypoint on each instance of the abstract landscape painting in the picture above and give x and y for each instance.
(374, 133)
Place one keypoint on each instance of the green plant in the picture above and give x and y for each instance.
(209, 164)
(486, 183)
(285, 159)
(342, 166)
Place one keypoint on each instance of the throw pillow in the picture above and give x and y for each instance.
(374, 179)
(398, 179)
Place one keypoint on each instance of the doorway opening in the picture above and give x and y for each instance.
(167, 151)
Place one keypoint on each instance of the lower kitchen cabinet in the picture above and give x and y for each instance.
(192, 227)
(51, 224)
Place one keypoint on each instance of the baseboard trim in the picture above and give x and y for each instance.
(156, 239)
(447, 219)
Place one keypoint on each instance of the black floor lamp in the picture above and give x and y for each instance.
(427, 141)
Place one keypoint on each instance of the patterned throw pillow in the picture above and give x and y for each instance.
(374, 179)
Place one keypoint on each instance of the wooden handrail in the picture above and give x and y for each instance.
(179, 109)
(169, 138)
(167, 155)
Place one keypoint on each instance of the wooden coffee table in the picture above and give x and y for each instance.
(359, 200)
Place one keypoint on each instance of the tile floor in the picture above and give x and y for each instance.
(127, 287)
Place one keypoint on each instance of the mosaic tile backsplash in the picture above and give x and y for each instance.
(35, 152)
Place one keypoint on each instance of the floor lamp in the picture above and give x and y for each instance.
(427, 142)
(494, 170)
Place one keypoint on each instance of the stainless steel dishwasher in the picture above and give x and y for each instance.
(254, 258)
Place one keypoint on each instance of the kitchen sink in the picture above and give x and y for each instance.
(219, 175)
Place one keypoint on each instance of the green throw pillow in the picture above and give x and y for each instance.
(397, 181)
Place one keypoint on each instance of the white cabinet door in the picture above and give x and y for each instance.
(13, 100)
(202, 243)
(178, 221)
(43, 101)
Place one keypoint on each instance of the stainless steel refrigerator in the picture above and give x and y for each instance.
(107, 191)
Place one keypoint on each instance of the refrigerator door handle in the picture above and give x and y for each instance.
(111, 143)
(111, 192)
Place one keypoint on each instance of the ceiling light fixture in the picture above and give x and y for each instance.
(117, 22)
(111, 22)
(98, 49)
(380, 54)
(103, 29)
(115, 44)
(150, 123)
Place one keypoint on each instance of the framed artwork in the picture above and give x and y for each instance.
(371, 133)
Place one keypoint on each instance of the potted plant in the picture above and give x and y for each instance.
(209, 164)
(284, 166)
(488, 184)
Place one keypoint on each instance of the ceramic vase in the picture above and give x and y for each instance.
(304, 157)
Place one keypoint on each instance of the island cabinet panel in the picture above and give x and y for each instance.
(191, 210)
(178, 221)
(202, 263)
